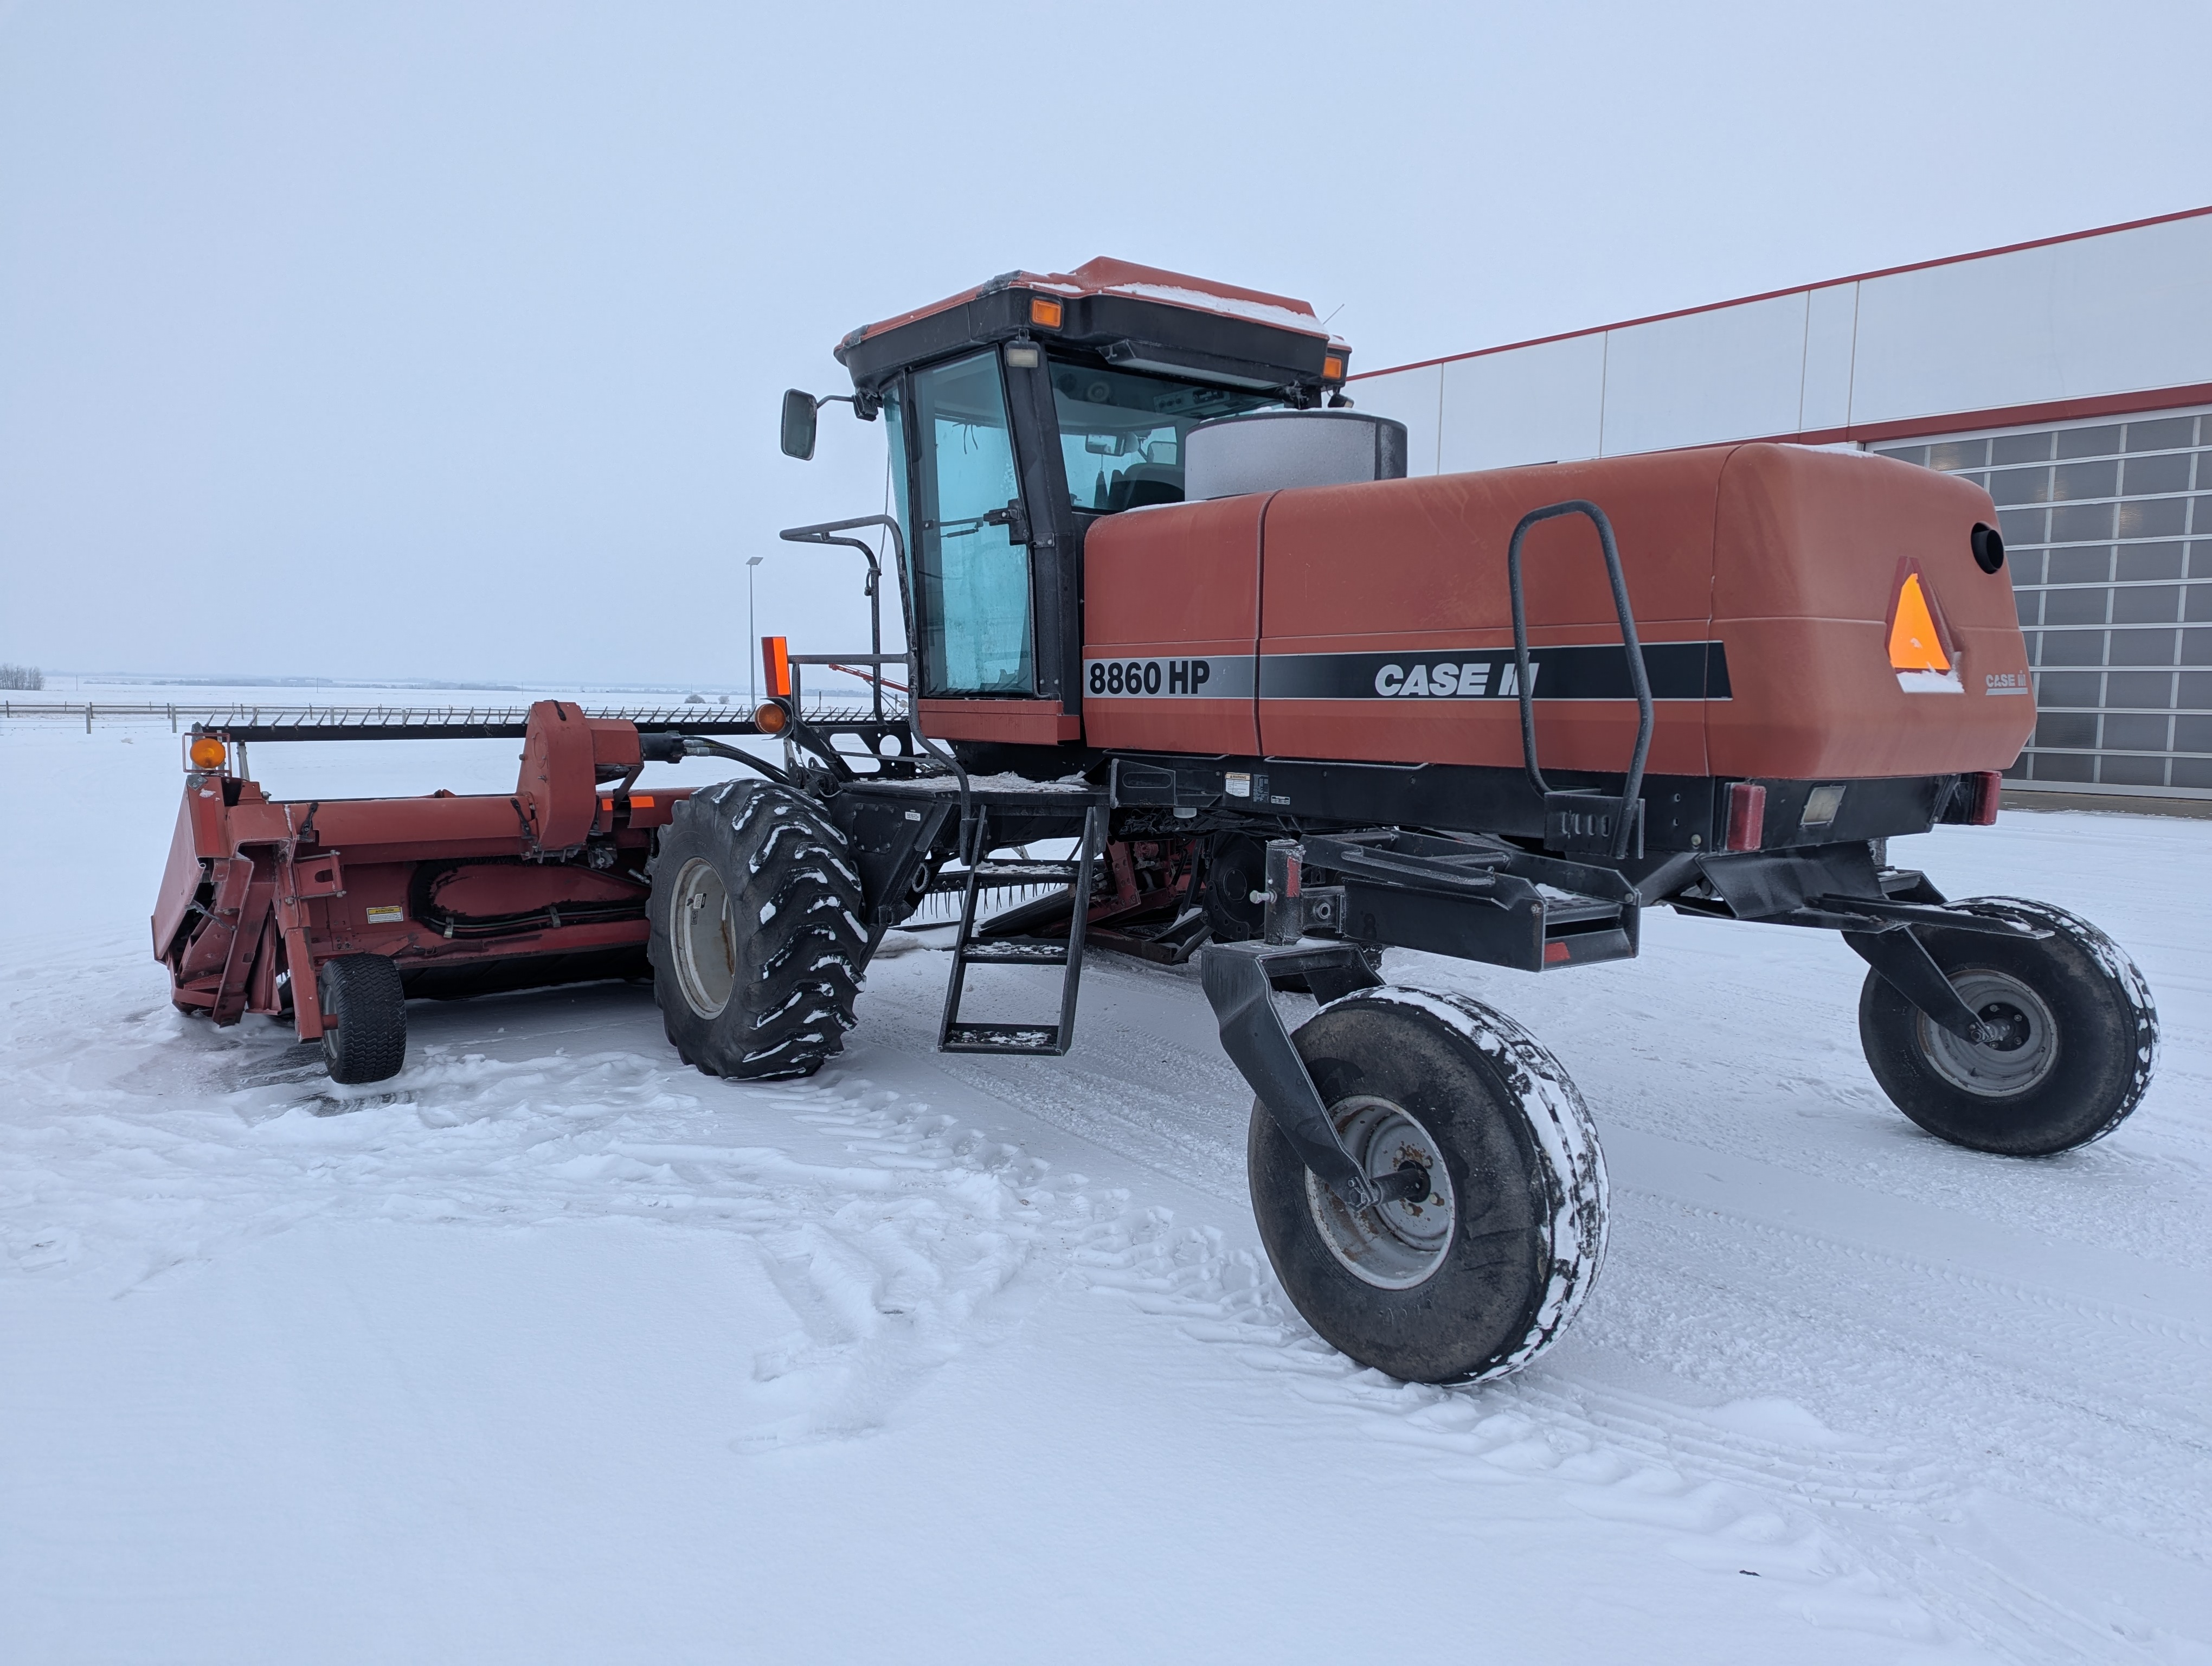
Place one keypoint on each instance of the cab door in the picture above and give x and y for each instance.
(977, 634)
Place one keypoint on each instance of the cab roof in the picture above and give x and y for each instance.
(1141, 316)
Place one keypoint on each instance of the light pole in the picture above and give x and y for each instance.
(752, 636)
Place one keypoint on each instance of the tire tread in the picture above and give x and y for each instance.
(364, 994)
(799, 965)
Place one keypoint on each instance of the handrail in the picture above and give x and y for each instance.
(1638, 678)
(827, 532)
(824, 532)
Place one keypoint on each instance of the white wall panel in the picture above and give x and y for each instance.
(1831, 325)
(2106, 315)
(2137, 308)
(2115, 313)
(1661, 389)
(1410, 396)
(1533, 404)
(1970, 336)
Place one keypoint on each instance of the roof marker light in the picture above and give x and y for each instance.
(1044, 311)
(1331, 367)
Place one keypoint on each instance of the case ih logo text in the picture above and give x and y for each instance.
(1470, 678)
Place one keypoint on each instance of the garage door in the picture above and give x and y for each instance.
(2108, 527)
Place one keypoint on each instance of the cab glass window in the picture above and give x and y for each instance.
(973, 584)
(1121, 434)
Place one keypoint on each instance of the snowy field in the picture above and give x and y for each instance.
(554, 1350)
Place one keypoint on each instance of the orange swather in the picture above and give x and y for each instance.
(1914, 642)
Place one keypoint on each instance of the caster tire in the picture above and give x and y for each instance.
(364, 1018)
(1487, 1272)
(757, 940)
(2080, 1037)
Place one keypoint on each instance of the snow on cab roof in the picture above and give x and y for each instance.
(1103, 274)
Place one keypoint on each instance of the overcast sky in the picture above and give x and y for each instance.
(444, 340)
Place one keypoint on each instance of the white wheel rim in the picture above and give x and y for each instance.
(2024, 1053)
(706, 949)
(1393, 1246)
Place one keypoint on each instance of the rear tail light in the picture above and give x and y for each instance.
(1986, 785)
(1747, 816)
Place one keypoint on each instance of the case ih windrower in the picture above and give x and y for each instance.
(1169, 599)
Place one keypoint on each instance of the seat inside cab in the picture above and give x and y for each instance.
(1122, 433)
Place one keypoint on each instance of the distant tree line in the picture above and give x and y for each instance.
(21, 677)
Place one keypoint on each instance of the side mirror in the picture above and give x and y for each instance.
(799, 420)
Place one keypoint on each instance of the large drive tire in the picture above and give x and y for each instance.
(1487, 1271)
(757, 941)
(364, 1018)
(2080, 1037)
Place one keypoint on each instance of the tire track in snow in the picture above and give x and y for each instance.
(1747, 1311)
(895, 1233)
(910, 1239)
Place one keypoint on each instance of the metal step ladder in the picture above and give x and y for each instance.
(956, 1035)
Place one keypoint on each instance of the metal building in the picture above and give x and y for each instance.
(2072, 376)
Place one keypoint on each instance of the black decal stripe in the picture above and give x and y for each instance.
(1678, 671)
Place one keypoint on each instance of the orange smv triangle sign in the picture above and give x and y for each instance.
(1914, 644)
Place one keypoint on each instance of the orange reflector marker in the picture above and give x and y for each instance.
(1331, 368)
(1914, 642)
(776, 663)
(1554, 953)
(770, 717)
(641, 801)
(1045, 311)
(207, 753)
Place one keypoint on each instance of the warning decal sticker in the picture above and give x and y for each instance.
(1920, 652)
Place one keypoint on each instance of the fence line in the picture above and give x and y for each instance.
(820, 710)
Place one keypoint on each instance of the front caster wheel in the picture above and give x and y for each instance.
(364, 1018)
(2073, 1037)
(1473, 1278)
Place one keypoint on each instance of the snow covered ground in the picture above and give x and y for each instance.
(554, 1350)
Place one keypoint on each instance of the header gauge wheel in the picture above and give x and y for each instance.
(364, 1018)
(2073, 1037)
(1487, 1268)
